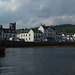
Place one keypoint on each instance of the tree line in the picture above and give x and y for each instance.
(65, 28)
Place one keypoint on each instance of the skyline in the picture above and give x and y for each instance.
(31, 13)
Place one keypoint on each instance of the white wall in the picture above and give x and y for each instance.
(27, 36)
(41, 28)
(68, 37)
(18, 36)
(31, 35)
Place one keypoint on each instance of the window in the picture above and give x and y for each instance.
(39, 36)
(13, 31)
(26, 38)
(45, 29)
(10, 35)
(29, 34)
(49, 30)
(29, 38)
(45, 34)
(9, 30)
(48, 34)
(36, 34)
(21, 35)
(6, 35)
(14, 35)
(26, 34)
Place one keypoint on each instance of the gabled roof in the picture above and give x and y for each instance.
(7, 30)
(69, 34)
(22, 30)
(52, 27)
(36, 30)
(58, 33)
(26, 30)
(46, 27)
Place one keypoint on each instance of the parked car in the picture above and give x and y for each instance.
(22, 40)
(11, 39)
(16, 40)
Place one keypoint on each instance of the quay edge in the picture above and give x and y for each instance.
(39, 44)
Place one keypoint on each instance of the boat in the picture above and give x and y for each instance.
(2, 47)
(2, 44)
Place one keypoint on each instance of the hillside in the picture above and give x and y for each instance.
(66, 28)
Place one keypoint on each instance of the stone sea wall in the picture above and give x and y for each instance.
(38, 44)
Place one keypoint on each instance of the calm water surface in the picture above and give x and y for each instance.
(38, 61)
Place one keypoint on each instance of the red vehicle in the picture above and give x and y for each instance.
(11, 38)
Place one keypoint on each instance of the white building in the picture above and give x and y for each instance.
(49, 32)
(30, 35)
(41, 33)
(68, 37)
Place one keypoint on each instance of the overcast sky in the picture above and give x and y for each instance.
(30, 13)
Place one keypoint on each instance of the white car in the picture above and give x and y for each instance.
(16, 40)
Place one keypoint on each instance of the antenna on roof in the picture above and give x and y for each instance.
(31, 28)
(41, 24)
(51, 25)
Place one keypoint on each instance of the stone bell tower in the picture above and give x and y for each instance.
(12, 26)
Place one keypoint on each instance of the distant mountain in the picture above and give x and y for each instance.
(65, 28)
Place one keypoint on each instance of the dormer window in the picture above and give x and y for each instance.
(29, 34)
(26, 34)
(45, 34)
(21, 35)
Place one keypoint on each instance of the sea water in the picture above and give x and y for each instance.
(38, 61)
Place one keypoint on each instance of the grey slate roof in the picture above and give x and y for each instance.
(7, 30)
(46, 27)
(69, 34)
(22, 30)
(36, 30)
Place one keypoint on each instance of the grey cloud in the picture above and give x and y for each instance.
(29, 13)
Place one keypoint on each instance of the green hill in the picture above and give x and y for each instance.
(65, 28)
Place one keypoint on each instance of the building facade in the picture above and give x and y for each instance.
(8, 32)
(49, 32)
(42, 33)
(30, 35)
(68, 37)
